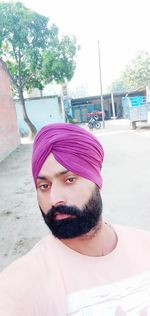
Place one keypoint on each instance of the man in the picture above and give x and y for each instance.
(86, 266)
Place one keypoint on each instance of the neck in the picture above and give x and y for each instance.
(98, 242)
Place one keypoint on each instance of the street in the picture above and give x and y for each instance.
(125, 193)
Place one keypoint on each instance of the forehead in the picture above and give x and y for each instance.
(52, 169)
(51, 166)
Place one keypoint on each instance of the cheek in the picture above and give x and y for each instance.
(42, 201)
(80, 195)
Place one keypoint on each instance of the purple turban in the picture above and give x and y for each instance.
(73, 147)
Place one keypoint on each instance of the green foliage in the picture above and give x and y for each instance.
(117, 86)
(33, 51)
(136, 74)
(31, 48)
(59, 62)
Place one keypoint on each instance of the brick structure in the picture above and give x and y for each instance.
(9, 135)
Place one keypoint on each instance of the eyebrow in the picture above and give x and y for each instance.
(56, 175)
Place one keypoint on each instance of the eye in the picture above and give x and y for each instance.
(44, 186)
(70, 180)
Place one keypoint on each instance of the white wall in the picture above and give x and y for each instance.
(41, 111)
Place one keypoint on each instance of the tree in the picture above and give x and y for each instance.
(136, 74)
(117, 86)
(59, 63)
(33, 51)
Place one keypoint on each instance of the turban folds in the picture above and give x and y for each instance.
(73, 147)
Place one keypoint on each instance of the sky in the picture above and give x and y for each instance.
(121, 26)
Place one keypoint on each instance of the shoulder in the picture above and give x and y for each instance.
(131, 229)
(29, 266)
(29, 279)
(132, 233)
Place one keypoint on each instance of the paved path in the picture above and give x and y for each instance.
(126, 173)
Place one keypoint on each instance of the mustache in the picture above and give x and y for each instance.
(62, 209)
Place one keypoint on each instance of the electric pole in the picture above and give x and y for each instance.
(101, 90)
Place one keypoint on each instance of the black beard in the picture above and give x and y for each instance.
(85, 219)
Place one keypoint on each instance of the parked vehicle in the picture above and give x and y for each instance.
(136, 109)
(93, 120)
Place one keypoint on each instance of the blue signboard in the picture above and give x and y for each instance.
(136, 101)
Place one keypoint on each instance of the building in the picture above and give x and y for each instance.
(112, 105)
(9, 135)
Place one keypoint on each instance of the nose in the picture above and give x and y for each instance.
(57, 195)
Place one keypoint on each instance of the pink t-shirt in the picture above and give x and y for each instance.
(54, 280)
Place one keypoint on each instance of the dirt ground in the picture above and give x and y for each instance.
(21, 225)
(125, 193)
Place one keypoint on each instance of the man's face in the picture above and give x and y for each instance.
(71, 205)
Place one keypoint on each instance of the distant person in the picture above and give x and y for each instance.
(120, 111)
(69, 118)
(106, 116)
(85, 266)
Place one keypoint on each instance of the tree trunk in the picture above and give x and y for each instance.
(32, 128)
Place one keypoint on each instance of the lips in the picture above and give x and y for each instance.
(59, 216)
